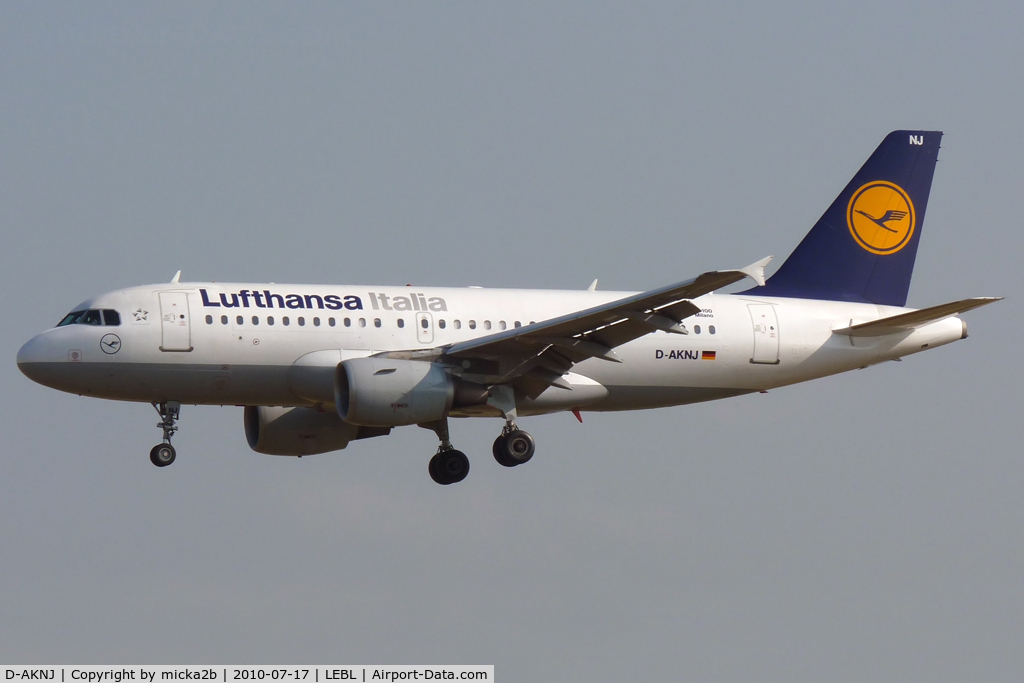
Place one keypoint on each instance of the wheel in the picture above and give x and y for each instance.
(162, 454)
(449, 467)
(499, 449)
(434, 468)
(517, 447)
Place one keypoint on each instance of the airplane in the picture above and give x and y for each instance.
(316, 367)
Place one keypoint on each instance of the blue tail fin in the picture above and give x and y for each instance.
(863, 248)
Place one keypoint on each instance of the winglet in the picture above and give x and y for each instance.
(755, 271)
(177, 276)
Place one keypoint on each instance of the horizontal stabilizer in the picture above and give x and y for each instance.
(909, 321)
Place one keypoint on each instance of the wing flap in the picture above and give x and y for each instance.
(908, 321)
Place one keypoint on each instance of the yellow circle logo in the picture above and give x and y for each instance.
(881, 217)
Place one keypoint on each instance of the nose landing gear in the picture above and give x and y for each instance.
(163, 454)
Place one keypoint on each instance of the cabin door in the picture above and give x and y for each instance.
(174, 322)
(766, 334)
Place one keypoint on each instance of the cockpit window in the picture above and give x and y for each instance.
(91, 317)
(71, 318)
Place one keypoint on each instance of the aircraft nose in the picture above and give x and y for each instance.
(36, 351)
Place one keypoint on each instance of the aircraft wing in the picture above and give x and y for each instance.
(536, 356)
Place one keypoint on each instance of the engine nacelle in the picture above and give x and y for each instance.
(299, 431)
(384, 392)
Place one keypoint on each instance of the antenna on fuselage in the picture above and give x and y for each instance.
(177, 276)
(593, 286)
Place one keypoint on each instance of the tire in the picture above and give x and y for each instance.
(434, 471)
(501, 454)
(448, 467)
(519, 446)
(454, 466)
(162, 454)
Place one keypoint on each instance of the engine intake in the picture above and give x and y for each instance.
(385, 392)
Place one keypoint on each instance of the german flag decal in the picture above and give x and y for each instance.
(707, 355)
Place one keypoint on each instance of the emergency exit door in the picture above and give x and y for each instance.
(424, 328)
(174, 322)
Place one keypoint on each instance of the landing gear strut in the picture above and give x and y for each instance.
(163, 454)
(448, 466)
(514, 446)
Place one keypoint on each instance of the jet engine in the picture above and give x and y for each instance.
(385, 392)
(300, 431)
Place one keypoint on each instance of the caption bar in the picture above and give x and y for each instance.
(234, 674)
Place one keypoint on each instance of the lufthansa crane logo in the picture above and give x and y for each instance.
(110, 344)
(881, 217)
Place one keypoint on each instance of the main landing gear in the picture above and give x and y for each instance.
(163, 454)
(513, 447)
(450, 466)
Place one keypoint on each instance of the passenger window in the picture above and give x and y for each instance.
(302, 321)
(487, 324)
(424, 324)
(286, 321)
(376, 322)
(111, 317)
(711, 329)
(316, 322)
(696, 329)
(239, 320)
(255, 320)
(472, 324)
(440, 323)
(458, 324)
(91, 317)
(501, 325)
(209, 320)
(362, 322)
(330, 321)
(223, 320)
(401, 322)
(518, 324)
(270, 320)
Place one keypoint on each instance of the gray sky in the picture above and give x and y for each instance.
(867, 526)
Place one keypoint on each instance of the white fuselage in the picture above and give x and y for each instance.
(223, 344)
